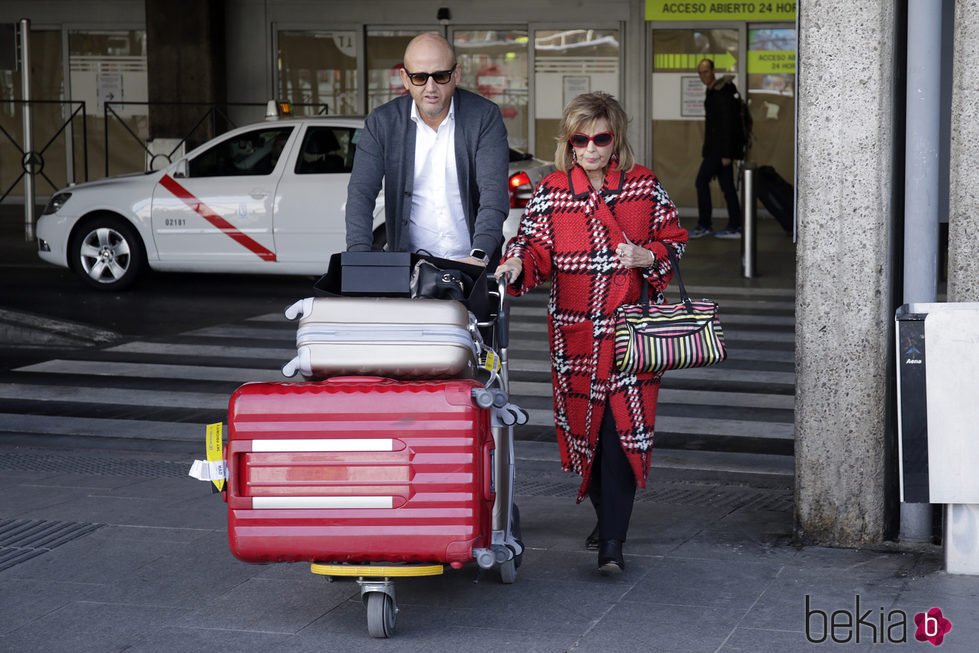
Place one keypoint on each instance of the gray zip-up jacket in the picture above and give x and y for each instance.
(386, 153)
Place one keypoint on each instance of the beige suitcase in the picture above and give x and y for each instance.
(381, 336)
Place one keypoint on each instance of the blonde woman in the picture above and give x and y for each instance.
(597, 229)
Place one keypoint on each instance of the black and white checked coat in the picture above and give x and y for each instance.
(568, 235)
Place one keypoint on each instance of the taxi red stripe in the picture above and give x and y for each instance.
(205, 212)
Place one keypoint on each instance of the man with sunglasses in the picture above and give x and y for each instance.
(442, 155)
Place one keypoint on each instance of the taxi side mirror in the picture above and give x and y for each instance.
(180, 170)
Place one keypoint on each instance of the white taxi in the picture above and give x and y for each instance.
(267, 198)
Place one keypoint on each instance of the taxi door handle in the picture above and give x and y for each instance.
(259, 194)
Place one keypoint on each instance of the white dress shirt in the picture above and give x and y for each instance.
(437, 224)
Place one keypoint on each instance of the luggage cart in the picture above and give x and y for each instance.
(377, 581)
(500, 549)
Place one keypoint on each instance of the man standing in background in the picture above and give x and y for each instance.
(724, 141)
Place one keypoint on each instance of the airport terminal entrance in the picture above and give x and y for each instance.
(760, 57)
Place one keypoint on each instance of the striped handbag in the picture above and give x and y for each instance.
(659, 337)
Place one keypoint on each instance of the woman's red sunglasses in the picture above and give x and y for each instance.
(601, 140)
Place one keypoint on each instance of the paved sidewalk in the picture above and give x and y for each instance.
(109, 551)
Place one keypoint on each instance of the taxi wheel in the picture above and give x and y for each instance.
(107, 253)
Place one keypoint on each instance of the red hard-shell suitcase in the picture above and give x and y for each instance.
(359, 469)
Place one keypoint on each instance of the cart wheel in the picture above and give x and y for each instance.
(508, 572)
(381, 614)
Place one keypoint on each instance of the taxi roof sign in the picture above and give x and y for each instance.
(278, 109)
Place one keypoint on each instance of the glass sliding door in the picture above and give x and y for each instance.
(678, 102)
(771, 96)
(495, 65)
(385, 56)
(567, 63)
(47, 83)
(109, 68)
(318, 71)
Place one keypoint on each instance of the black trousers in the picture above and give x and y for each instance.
(712, 167)
(613, 485)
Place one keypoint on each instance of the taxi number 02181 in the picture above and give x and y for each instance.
(175, 222)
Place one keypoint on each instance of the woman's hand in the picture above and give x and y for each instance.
(512, 267)
(633, 256)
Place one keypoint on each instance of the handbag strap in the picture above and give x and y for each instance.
(644, 296)
(684, 297)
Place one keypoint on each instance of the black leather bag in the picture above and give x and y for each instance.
(429, 281)
(392, 274)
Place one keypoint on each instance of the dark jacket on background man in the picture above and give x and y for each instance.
(723, 129)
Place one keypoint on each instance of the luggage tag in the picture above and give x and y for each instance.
(213, 469)
(491, 362)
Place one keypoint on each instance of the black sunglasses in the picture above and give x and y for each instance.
(601, 140)
(440, 76)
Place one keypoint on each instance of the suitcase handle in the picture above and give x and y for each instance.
(488, 492)
(333, 380)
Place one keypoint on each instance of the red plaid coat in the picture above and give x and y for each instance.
(568, 235)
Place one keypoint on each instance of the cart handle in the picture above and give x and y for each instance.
(502, 314)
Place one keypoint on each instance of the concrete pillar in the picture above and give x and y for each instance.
(185, 45)
(844, 309)
(963, 222)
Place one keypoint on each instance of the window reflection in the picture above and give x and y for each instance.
(566, 64)
(318, 71)
(250, 153)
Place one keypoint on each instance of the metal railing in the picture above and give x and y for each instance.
(32, 161)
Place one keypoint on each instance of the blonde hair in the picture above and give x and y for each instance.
(584, 110)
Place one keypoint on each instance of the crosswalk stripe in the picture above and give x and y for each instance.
(711, 291)
(210, 351)
(102, 427)
(718, 373)
(115, 396)
(697, 426)
(286, 334)
(154, 370)
(682, 397)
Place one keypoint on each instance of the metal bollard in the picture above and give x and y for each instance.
(748, 232)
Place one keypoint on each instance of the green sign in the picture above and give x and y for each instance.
(714, 11)
(771, 61)
(667, 61)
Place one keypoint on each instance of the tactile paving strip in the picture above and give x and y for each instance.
(23, 539)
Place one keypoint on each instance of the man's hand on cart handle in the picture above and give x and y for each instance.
(510, 268)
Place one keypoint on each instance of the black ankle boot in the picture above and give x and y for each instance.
(610, 561)
(591, 542)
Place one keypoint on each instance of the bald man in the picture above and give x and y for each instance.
(442, 156)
